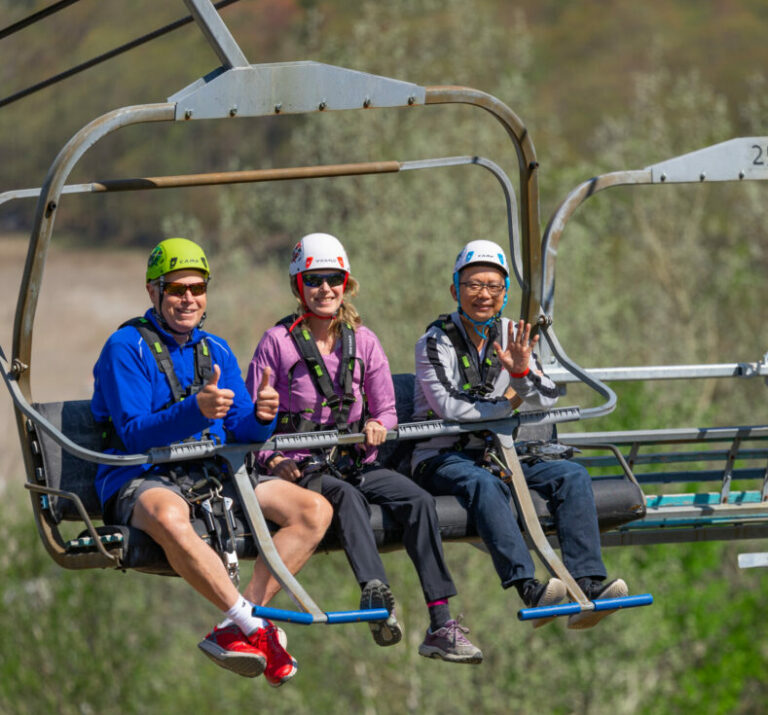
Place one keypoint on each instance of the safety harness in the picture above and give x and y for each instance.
(476, 383)
(203, 361)
(200, 481)
(480, 383)
(343, 462)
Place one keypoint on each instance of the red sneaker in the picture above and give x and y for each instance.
(229, 648)
(281, 666)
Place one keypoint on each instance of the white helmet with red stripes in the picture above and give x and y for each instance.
(318, 250)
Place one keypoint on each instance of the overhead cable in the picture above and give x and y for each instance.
(104, 57)
(35, 17)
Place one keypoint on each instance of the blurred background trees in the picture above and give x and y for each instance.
(646, 276)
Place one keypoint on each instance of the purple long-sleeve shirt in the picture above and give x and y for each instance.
(298, 393)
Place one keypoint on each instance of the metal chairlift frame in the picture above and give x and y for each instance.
(237, 90)
(722, 515)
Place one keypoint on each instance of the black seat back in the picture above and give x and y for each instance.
(62, 470)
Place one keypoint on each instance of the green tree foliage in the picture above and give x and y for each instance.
(660, 275)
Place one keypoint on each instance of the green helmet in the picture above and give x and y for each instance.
(175, 254)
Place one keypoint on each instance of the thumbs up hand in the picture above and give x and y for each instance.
(267, 398)
(214, 402)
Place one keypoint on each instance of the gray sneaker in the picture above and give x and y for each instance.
(376, 594)
(449, 643)
(595, 590)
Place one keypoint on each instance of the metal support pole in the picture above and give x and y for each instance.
(217, 33)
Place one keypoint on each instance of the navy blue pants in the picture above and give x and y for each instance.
(409, 505)
(566, 487)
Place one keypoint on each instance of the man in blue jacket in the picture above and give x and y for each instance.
(161, 379)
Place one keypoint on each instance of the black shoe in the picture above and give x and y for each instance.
(535, 594)
(595, 590)
(376, 594)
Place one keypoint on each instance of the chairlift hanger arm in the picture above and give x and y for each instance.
(740, 159)
(307, 86)
(529, 184)
(45, 215)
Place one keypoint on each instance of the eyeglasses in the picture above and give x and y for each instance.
(474, 287)
(315, 280)
(179, 290)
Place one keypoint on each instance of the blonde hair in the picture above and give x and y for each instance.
(347, 312)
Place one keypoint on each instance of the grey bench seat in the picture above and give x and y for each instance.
(618, 500)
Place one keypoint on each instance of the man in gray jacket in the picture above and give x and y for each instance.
(474, 365)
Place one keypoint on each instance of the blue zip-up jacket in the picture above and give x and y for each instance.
(130, 388)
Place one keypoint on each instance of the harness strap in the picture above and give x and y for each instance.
(310, 354)
(476, 382)
(159, 350)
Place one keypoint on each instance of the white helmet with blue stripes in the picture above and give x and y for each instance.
(482, 251)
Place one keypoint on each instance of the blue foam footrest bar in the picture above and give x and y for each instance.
(306, 619)
(370, 614)
(279, 614)
(568, 609)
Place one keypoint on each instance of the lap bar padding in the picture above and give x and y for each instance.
(568, 609)
(330, 618)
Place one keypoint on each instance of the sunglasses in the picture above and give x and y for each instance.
(179, 290)
(315, 280)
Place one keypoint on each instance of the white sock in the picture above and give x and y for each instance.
(241, 614)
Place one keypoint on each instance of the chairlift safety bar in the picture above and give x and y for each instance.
(304, 440)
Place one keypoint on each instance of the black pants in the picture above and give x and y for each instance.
(409, 505)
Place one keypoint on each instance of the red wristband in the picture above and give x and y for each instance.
(520, 374)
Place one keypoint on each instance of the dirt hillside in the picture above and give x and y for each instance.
(85, 295)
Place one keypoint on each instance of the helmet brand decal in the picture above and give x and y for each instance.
(341, 261)
(172, 262)
(309, 263)
(155, 257)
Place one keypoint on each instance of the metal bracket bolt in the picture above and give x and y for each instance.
(17, 368)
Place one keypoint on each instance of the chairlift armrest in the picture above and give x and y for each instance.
(57, 435)
(40, 489)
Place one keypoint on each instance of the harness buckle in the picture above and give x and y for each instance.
(489, 459)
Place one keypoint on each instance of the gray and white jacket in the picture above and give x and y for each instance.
(438, 392)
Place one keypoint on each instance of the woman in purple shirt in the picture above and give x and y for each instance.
(331, 372)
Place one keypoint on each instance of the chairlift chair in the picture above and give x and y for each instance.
(60, 443)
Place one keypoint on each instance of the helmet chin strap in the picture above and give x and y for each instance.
(300, 287)
(480, 326)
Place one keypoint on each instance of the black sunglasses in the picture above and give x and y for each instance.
(178, 290)
(315, 280)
